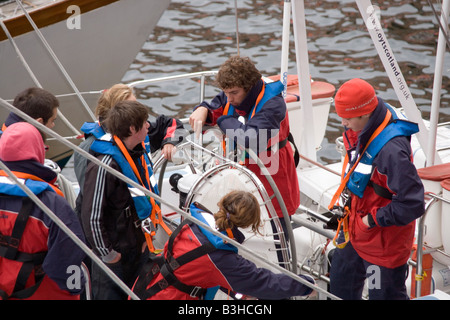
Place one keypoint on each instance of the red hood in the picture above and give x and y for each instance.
(22, 141)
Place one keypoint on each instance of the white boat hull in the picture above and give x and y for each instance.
(96, 56)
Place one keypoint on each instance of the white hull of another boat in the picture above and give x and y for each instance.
(96, 53)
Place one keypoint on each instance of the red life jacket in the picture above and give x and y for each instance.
(388, 246)
(166, 276)
(23, 247)
(281, 160)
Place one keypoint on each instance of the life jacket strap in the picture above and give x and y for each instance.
(23, 175)
(151, 224)
(342, 223)
(9, 249)
(166, 266)
(282, 144)
(380, 190)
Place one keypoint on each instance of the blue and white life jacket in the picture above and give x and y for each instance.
(105, 145)
(361, 175)
(208, 219)
(93, 128)
(10, 188)
(271, 90)
(97, 131)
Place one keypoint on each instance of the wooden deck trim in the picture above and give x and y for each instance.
(49, 15)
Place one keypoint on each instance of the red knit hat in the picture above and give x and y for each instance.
(355, 98)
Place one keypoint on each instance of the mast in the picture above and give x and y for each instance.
(437, 84)
(393, 71)
(307, 139)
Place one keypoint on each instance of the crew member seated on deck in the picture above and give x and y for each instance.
(195, 262)
(35, 254)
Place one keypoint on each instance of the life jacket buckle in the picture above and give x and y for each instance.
(14, 243)
(195, 292)
(148, 226)
(173, 263)
(127, 212)
(8, 241)
(163, 284)
(3, 241)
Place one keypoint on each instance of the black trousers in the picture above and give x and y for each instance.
(127, 269)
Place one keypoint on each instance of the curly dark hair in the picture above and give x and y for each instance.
(239, 72)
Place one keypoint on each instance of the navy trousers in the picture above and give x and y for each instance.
(349, 271)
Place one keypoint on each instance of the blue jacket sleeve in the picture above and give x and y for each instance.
(257, 130)
(246, 278)
(62, 251)
(402, 178)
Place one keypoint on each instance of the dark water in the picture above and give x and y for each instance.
(199, 35)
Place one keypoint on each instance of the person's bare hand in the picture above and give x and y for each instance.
(168, 150)
(116, 259)
(198, 117)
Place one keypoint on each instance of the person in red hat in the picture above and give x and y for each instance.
(383, 195)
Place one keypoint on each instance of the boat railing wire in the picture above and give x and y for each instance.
(56, 60)
(431, 198)
(119, 175)
(33, 77)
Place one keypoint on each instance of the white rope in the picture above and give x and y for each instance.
(158, 198)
